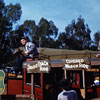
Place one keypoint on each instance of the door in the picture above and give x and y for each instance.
(75, 77)
(38, 86)
(27, 82)
(47, 84)
(93, 84)
(51, 83)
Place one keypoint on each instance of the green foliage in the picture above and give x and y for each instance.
(76, 36)
(8, 15)
(42, 34)
(27, 29)
(96, 41)
(97, 37)
(46, 33)
(13, 12)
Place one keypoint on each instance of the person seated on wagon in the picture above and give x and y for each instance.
(30, 51)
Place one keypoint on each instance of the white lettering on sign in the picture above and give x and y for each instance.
(76, 63)
(44, 69)
(42, 65)
(77, 66)
(71, 66)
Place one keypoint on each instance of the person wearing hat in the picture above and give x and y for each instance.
(30, 51)
(67, 93)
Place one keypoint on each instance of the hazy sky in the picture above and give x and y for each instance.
(61, 12)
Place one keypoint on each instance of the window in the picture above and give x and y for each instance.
(75, 77)
(37, 77)
(28, 77)
(92, 78)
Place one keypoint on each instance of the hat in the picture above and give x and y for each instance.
(23, 38)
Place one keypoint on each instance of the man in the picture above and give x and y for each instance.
(67, 93)
(30, 51)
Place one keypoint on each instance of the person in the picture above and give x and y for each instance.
(67, 93)
(98, 55)
(30, 51)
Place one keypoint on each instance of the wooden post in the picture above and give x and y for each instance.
(83, 73)
(32, 86)
(99, 76)
(83, 91)
(65, 74)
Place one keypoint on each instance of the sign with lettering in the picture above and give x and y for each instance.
(37, 66)
(2, 86)
(77, 64)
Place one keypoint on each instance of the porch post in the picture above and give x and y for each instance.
(32, 86)
(83, 91)
(99, 76)
(65, 74)
(83, 73)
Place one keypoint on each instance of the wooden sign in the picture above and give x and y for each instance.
(77, 64)
(37, 66)
(2, 86)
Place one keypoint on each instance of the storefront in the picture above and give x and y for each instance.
(83, 73)
(41, 78)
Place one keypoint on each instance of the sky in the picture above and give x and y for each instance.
(61, 12)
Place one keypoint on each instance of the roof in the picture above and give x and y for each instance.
(65, 53)
(56, 55)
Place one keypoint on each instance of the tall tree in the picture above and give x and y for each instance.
(96, 40)
(43, 34)
(13, 12)
(46, 33)
(6, 24)
(76, 36)
(27, 29)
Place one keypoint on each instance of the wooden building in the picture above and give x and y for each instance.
(82, 68)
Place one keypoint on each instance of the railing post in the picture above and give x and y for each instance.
(32, 87)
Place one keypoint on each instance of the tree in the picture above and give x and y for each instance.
(96, 41)
(76, 36)
(13, 12)
(6, 24)
(43, 34)
(27, 29)
(46, 33)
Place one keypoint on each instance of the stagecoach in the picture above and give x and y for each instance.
(41, 76)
